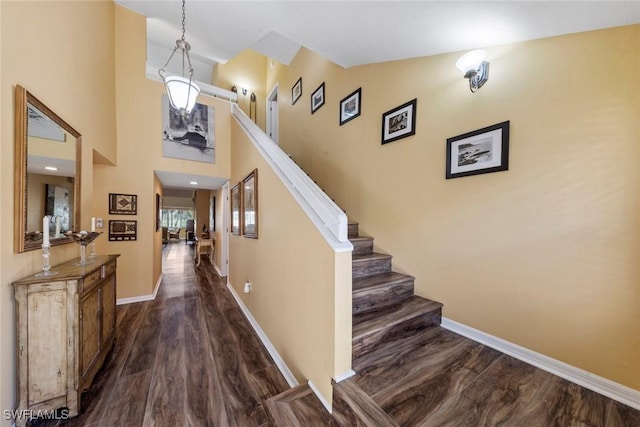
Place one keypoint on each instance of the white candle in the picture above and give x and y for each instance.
(93, 223)
(57, 226)
(45, 231)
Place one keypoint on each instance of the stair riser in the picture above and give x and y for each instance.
(361, 247)
(352, 230)
(362, 345)
(380, 297)
(370, 267)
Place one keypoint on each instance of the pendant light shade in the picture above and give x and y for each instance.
(182, 91)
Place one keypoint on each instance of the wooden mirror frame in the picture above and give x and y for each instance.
(23, 98)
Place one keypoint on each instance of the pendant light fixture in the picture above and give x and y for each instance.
(182, 91)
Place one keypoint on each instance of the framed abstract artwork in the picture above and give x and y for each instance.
(123, 204)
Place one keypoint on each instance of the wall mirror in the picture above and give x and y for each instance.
(47, 174)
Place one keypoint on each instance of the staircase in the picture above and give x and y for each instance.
(385, 308)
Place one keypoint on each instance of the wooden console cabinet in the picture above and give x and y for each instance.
(65, 327)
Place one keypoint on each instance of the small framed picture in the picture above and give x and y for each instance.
(481, 151)
(236, 220)
(158, 212)
(123, 230)
(350, 106)
(317, 98)
(250, 205)
(399, 123)
(296, 91)
(123, 204)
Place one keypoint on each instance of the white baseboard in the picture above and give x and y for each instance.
(345, 375)
(141, 298)
(608, 388)
(280, 363)
(320, 397)
(215, 266)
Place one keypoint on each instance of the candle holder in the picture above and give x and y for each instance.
(83, 238)
(46, 267)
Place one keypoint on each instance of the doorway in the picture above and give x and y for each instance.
(224, 247)
(272, 114)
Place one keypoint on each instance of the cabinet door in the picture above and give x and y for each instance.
(47, 343)
(108, 307)
(89, 329)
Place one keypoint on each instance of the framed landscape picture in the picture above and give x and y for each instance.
(236, 220)
(350, 106)
(484, 150)
(399, 122)
(296, 91)
(317, 98)
(250, 205)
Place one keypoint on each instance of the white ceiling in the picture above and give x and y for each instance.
(183, 180)
(352, 33)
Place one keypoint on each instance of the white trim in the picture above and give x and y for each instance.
(344, 376)
(280, 363)
(205, 88)
(270, 115)
(328, 218)
(608, 388)
(320, 397)
(141, 298)
(215, 266)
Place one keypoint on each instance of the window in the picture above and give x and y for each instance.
(176, 217)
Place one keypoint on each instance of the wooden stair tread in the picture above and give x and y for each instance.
(370, 322)
(365, 411)
(382, 279)
(368, 257)
(360, 239)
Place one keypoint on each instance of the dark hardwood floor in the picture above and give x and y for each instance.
(190, 358)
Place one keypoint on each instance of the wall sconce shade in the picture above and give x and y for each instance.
(182, 92)
(475, 68)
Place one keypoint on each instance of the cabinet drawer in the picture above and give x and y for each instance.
(109, 269)
(90, 280)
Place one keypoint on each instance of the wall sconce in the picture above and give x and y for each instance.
(253, 97)
(234, 89)
(475, 68)
(244, 91)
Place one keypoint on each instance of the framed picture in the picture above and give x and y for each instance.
(123, 230)
(350, 106)
(58, 204)
(191, 137)
(296, 91)
(317, 98)
(399, 123)
(158, 210)
(236, 219)
(250, 205)
(481, 151)
(123, 204)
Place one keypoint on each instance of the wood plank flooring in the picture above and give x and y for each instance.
(438, 378)
(190, 358)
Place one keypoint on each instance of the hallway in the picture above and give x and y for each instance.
(188, 358)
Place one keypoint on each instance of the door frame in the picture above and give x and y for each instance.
(272, 115)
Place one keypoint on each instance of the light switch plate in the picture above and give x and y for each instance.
(98, 222)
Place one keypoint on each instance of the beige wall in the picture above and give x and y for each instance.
(202, 210)
(543, 255)
(139, 135)
(294, 280)
(246, 70)
(38, 42)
